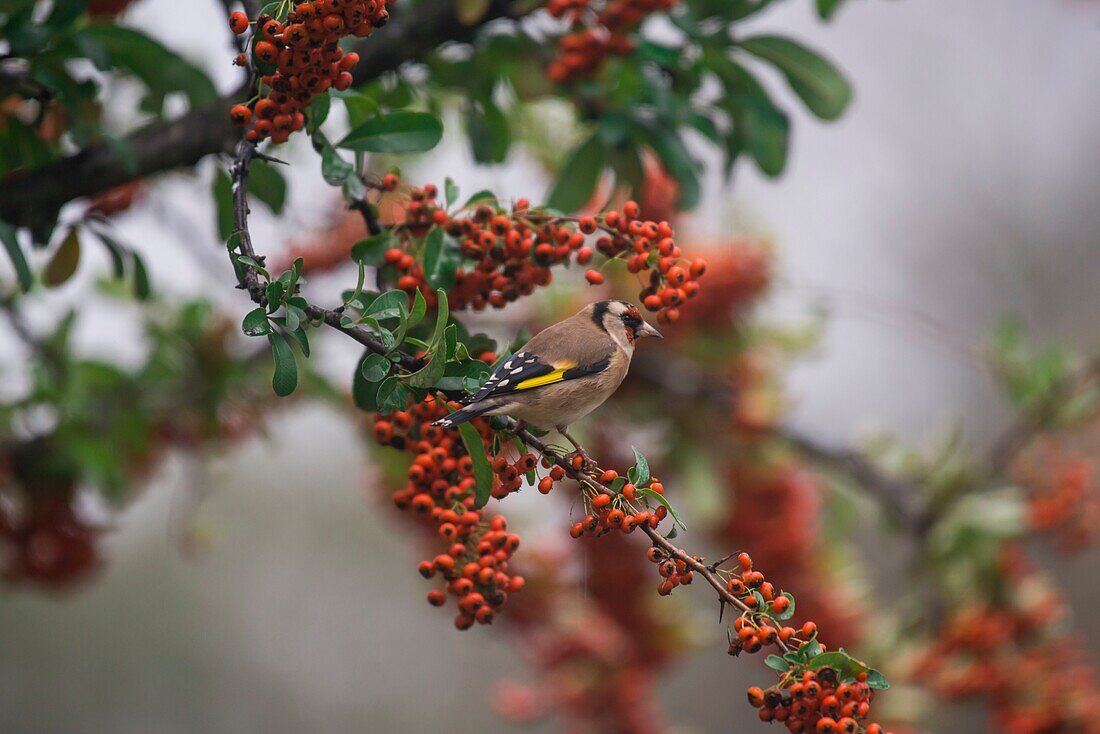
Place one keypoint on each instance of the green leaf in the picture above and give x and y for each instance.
(641, 466)
(826, 8)
(877, 680)
(812, 77)
(441, 258)
(844, 664)
(246, 260)
(483, 470)
(285, 379)
(776, 663)
(375, 367)
(15, 254)
(267, 184)
(255, 323)
(430, 373)
(442, 316)
(450, 192)
(396, 132)
(419, 309)
(578, 177)
(759, 127)
(275, 292)
(389, 305)
(334, 169)
(483, 195)
(64, 262)
(318, 112)
(370, 250)
(364, 392)
(141, 278)
(487, 127)
(392, 395)
(649, 493)
(302, 338)
(161, 70)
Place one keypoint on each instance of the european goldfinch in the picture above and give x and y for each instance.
(565, 372)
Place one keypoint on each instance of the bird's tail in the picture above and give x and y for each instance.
(461, 416)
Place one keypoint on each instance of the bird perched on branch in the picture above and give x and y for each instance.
(565, 372)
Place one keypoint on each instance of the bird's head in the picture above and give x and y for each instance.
(622, 320)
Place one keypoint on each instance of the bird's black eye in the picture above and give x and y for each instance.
(631, 320)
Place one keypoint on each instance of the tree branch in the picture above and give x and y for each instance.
(33, 198)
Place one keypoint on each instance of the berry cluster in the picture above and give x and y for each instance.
(440, 489)
(1062, 499)
(596, 648)
(818, 701)
(48, 544)
(299, 58)
(1016, 654)
(513, 250)
(597, 33)
(613, 510)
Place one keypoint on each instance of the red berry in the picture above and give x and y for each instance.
(595, 277)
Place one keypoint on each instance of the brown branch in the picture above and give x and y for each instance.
(587, 477)
(250, 277)
(33, 198)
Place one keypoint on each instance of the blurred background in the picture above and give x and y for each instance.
(264, 582)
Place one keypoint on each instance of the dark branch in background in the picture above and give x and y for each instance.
(680, 376)
(33, 198)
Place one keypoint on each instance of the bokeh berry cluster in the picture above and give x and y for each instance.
(1015, 651)
(440, 489)
(597, 30)
(47, 542)
(299, 58)
(508, 252)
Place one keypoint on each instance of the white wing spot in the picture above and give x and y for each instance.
(503, 383)
(517, 370)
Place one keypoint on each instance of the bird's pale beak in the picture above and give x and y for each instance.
(646, 330)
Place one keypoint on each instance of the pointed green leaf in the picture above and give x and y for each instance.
(483, 470)
(285, 379)
(578, 176)
(64, 262)
(255, 323)
(375, 367)
(396, 132)
(15, 254)
(812, 77)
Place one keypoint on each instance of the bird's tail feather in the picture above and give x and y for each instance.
(461, 416)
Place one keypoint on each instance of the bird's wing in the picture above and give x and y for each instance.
(524, 371)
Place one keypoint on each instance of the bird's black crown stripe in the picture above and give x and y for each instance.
(598, 313)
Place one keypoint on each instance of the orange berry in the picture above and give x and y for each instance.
(238, 22)
(595, 277)
(240, 115)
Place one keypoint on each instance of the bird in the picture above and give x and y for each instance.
(564, 372)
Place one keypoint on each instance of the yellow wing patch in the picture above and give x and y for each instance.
(549, 378)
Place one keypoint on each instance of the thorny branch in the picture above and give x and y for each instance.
(250, 282)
